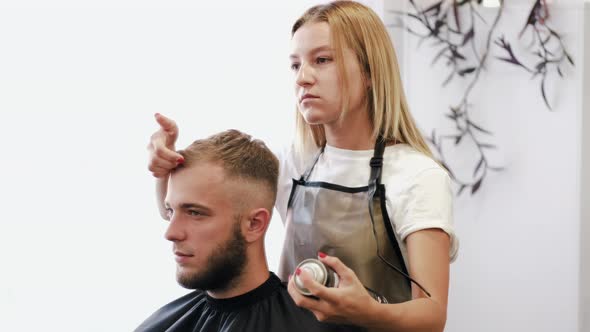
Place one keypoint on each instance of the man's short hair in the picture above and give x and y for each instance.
(240, 155)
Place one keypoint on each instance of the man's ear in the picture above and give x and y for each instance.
(255, 224)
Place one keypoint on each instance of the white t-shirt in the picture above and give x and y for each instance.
(418, 190)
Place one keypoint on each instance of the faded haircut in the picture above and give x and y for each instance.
(240, 155)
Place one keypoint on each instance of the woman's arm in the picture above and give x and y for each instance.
(161, 189)
(428, 263)
(163, 159)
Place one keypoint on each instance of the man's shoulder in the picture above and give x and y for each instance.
(172, 312)
(270, 309)
(300, 319)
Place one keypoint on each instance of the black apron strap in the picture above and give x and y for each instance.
(389, 229)
(377, 161)
(307, 173)
(304, 176)
(379, 191)
(374, 186)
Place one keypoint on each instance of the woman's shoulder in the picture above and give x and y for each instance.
(406, 161)
(293, 159)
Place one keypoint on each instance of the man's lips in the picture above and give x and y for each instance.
(181, 257)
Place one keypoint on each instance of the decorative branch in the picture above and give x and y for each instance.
(440, 23)
(548, 58)
(466, 128)
(451, 42)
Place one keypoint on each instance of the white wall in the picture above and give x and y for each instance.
(585, 190)
(519, 261)
(81, 243)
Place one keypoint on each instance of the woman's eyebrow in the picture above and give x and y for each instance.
(313, 51)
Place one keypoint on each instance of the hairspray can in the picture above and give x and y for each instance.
(325, 276)
(319, 272)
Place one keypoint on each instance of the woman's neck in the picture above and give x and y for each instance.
(354, 132)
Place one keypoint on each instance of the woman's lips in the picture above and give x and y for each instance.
(308, 98)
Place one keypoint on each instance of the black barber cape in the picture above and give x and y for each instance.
(266, 308)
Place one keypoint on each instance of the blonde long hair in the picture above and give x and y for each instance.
(358, 27)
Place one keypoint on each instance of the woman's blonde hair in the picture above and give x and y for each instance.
(356, 26)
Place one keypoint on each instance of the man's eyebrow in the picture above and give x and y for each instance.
(313, 51)
(187, 206)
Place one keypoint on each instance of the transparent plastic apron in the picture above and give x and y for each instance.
(349, 223)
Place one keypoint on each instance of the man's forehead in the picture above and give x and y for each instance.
(206, 182)
(200, 171)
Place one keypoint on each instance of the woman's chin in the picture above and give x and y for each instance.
(313, 117)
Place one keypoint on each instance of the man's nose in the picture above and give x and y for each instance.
(175, 231)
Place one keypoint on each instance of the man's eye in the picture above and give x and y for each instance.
(169, 212)
(294, 66)
(194, 213)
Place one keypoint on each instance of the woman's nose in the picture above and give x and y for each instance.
(305, 75)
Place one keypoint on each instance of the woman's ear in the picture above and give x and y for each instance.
(367, 81)
(256, 224)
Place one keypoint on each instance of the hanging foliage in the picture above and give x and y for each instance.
(450, 27)
(547, 47)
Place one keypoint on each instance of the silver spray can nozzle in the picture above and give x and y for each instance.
(325, 276)
(319, 272)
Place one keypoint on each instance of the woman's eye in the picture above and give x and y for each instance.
(294, 66)
(322, 60)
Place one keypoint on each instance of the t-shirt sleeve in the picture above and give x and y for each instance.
(287, 171)
(427, 202)
(291, 166)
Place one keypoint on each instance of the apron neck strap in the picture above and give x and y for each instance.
(305, 175)
(377, 161)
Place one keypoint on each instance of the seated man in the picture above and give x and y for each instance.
(219, 204)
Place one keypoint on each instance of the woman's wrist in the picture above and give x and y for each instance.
(376, 316)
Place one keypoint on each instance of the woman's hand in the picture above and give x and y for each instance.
(163, 158)
(348, 303)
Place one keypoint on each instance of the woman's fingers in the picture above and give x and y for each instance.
(167, 124)
(160, 151)
(163, 158)
(343, 271)
(161, 165)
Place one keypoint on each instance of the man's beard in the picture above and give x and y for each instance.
(223, 267)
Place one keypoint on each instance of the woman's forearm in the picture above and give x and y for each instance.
(423, 314)
(161, 189)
